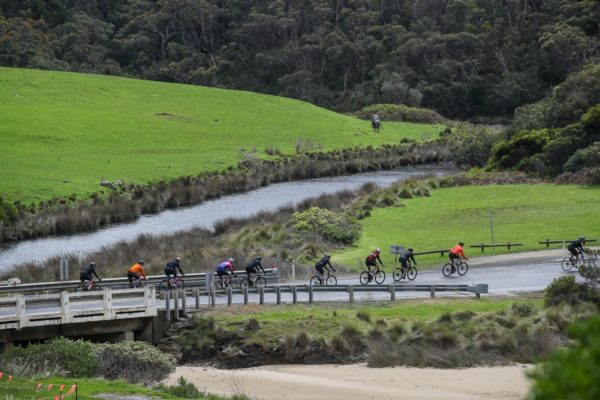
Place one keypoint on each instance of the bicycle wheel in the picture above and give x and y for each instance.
(163, 286)
(331, 280)
(397, 274)
(260, 281)
(566, 264)
(447, 270)
(380, 277)
(245, 282)
(180, 285)
(364, 278)
(462, 268)
(411, 273)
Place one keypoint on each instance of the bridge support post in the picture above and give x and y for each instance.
(213, 298)
(183, 303)
(294, 294)
(278, 294)
(392, 292)
(176, 303)
(310, 294)
(168, 306)
(350, 289)
(261, 295)
(196, 294)
(107, 304)
(64, 307)
(432, 290)
(245, 292)
(229, 295)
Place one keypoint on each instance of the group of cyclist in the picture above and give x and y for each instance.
(225, 269)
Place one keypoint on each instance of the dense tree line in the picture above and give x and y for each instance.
(460, 57)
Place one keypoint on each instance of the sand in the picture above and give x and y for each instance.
(357, 381)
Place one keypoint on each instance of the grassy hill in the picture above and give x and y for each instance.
(62, 133)
(520, 214)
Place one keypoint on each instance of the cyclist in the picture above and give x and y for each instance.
(136, 271)
(321, 264)
(371, 261)
(171, 268)
(407, 255)
(251, 269)
(86, 273)
(456, 253)
(225, 269)
(576, 248)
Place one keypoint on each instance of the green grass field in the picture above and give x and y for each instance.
(326, 320)
(520, 214)
(61, 133)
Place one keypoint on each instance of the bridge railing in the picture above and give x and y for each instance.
(20, 311)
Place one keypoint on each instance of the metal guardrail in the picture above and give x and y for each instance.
(548, 242)
(176, 300)
(191, 280)
(18, 311)
(483, 246)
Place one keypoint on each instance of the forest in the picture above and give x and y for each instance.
(466, 59)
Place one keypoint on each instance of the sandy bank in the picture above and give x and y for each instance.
(356, 382)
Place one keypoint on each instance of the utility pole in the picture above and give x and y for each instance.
(492, 230)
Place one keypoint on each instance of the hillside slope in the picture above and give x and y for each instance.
(62, 133)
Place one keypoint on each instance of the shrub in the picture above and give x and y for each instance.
(363, 315)
(137, 362)
(523, 309)
(564, 290)
(183, 389)
(330, 226)
(400, 112)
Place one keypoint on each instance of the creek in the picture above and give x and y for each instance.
(204, 214)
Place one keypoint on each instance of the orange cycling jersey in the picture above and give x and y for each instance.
(137, 269)
(458, 250)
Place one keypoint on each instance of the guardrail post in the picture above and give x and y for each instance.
(261, 295)
(229, 295)
(176, 303)
(432, 290)
(20, 310)
(213, 298)
(278, 294)
(64, 307)
(350, 289)
(107, 303)
(294, 294)
(245, 293)
(310, 294)
(168, 306)
(183, 303)
(393, 292)
(196, 294)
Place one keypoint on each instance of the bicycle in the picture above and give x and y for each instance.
(173, 283)
(136, 284)
(88, 285)
(378, 275)
(225, 281)
(450, 268)
(328, 279)
(571, 261)
(255, 280)
(409, 273)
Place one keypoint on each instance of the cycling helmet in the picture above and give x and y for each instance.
(259, 258)
(461, 243)
(93, 263)
(178, 258)
(141, 262)
(230, 260)
(410, 249)
(378, 250)
(581, 238)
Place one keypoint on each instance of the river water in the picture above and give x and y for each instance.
(204, 215)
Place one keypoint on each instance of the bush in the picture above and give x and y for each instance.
(400, 112)
(564, 290)
(183, 389)
(137, 362)
(573, 372)
(337, 228)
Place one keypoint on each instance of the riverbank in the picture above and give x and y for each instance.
(358, 382)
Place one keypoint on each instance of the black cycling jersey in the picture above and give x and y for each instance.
(323, 262)
(576, 245)
(87, 272)
(255, 263)
(172, 266)
(408, 255)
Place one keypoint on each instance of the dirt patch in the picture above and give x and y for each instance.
(358, 382)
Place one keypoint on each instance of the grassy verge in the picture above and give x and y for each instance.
(524, 213)
(88, 389)
(325, 320)
(62, 133)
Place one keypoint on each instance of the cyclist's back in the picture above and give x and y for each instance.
(576, 246)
